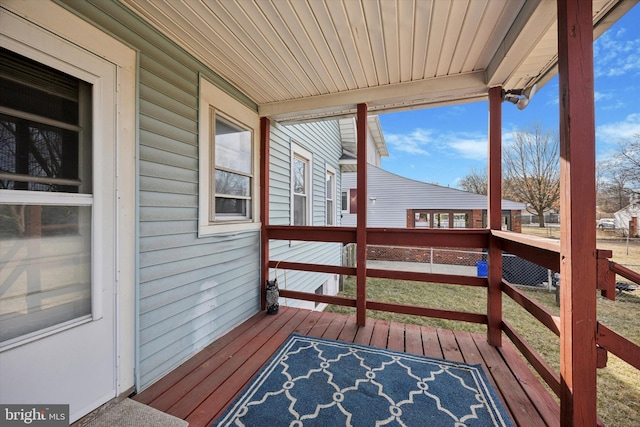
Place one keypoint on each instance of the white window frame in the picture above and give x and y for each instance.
(329, 170)
(299, 152)
(214, 99)
(344, 207)
(93, 72)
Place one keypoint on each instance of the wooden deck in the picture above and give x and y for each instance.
(200, 389)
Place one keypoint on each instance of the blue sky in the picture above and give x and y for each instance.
(441, 145)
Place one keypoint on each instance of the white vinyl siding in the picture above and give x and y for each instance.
(322, 141)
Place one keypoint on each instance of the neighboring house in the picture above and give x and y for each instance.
(395, 201)
(626, 215)
(130, 204)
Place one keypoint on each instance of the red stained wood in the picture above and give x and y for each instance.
(431, 342)
(619, 345)
(380, 334)
(467, 238)
(494, 186)
(320, 268)
(349, 331)
(546, 405)
(450, 349)
(234, 359)
(428, 312)
(494, 216)
(335, 327)
(323, 323)
(310, 233)
(625, 272)
(428, 277)
(537, 310)
(364, 334)
(361, 221)
(167, 383)
(216, 402)
(413, 339)
(308, 296)
(396, 337)
(519, 404)
(539, 364)
(578, 358)
(195, 389)
(265, 131)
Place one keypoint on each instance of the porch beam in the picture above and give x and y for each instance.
(265, 129)
(361, 225)
(494, 193)
(438, 91)
(578, 358)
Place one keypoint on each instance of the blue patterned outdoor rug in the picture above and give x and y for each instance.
(318, 382)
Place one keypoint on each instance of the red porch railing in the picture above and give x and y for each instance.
(544, 252)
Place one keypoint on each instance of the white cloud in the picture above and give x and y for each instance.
(614, 56)
(619, 131)
(469, 145)
(415, 142)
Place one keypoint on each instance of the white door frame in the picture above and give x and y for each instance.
(44, 29)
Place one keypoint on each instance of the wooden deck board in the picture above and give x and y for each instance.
(200, 389)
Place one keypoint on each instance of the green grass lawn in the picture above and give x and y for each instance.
(618, 383)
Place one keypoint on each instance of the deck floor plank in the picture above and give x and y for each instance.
(449, 345)
(380, 334)
(413, 339)
(431, 342)
(521, 408)
(201, 389)
(396, 337)
(226, 366)
(215, 403)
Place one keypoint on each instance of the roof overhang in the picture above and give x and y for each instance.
(306, 60)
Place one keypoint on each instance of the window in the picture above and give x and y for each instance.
(460, 220)
(319, 291)
(344, 203)
(423, 220)
(47, 199)
(331, 195)
(438, 219)
(300, 186)
(441, 220)
(232, 180)
(228, 163)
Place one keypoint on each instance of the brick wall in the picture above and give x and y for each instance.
(457, 256)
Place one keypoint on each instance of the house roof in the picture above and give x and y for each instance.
(300, 60)
(390, 196)
(374, 130)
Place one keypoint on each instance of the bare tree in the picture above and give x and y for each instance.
(619, 176)
(531, 168)
(474, 182)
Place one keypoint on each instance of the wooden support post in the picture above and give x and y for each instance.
(494, 191)
(265, 129)
(361, 227)
(578, 358)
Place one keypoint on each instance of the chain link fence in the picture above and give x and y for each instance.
(471, 262)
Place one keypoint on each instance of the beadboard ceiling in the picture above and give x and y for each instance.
(303, 59)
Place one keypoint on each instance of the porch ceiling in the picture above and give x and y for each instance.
(302, 59)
